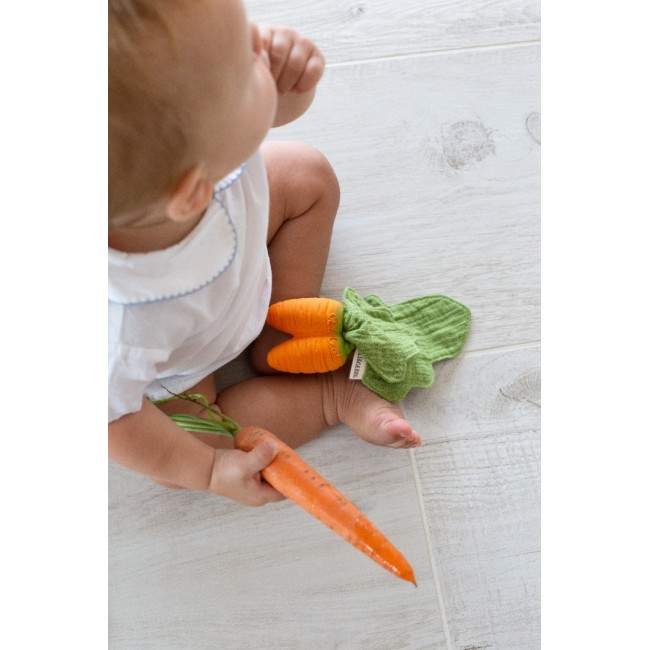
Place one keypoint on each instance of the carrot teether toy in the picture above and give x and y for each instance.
(317, 344)
(399, 343)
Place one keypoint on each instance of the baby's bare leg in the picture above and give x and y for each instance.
(299, 407)
(304, 198)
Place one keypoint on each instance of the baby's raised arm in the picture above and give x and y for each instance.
(297, 66)
(150, 443)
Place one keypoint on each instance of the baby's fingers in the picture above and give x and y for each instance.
(237, 475)
(266, 493)
(259, 457)
(302, 80)
(254, 462)
(295, 62)
(303, 68)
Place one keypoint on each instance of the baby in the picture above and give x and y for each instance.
(208, 224)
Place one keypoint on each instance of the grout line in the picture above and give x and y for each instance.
(503, 348)
(432, 557)
(424, 53)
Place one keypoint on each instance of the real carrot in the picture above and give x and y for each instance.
(290, 475)
(317, 343)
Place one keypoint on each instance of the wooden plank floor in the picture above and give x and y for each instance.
(430, 114)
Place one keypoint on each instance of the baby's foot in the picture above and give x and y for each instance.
(371, 417)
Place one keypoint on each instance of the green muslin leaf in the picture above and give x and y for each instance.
(401, 342)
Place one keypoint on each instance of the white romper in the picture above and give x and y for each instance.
(178, 314)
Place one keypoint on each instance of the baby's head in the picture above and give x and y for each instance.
(189, 99)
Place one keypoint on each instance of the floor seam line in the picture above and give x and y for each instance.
(430, 552)
(503, 348)
(425, 53)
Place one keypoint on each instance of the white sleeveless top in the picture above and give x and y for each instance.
(178, 314)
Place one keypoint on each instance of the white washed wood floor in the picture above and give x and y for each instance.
(430, 114)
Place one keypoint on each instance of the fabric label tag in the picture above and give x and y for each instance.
(358, 365)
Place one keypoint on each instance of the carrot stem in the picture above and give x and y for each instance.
(216, 422)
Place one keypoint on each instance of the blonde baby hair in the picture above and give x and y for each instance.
(149, 127)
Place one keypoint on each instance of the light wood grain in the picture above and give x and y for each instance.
(191, 570)
(479, 477)
(440, 183)
(482, 503)
(354, 29)
(479, 394)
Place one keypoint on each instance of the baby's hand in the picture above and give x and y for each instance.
(295, 62)
(237, 475)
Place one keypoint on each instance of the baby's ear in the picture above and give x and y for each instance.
(191, 195)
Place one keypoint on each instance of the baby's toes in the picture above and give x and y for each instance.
(371, 417)
(397, 433)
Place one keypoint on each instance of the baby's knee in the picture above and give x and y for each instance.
(318, 174)
(323, 173)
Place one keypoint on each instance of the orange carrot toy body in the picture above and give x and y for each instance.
(316, 325)
(307, 316)
(295, 479)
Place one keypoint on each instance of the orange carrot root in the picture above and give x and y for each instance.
(317, 344)
(315, 354)
(306, 316)
(294, 478)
